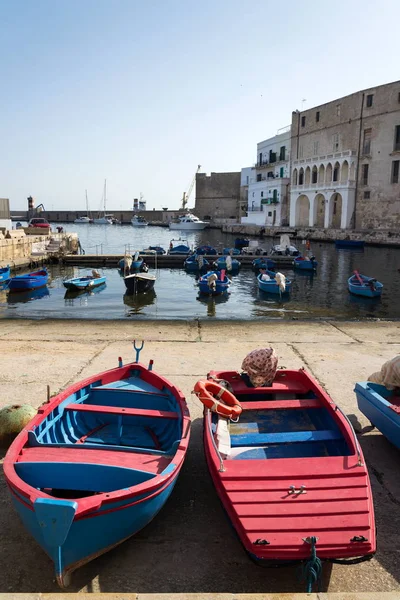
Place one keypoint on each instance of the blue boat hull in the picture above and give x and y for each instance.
(135, 266)
(94, 535)
(374, 402)
(355, 287)
(26, 282)
(221, 286)
(271, 287)
(83, 283)
(263, 263)
(305, 265)
(192, 266)
(221, 264)
(4, 274)
(349, 243)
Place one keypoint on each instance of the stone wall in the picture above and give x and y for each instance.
(124, 216)
(18, 246)
(217, 195)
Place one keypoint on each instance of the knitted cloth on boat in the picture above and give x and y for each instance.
(261, 366)
(389, 375)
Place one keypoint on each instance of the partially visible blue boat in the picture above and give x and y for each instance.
(30, 281)
(241, 243)
(84, 283)
(4, 274)
(196, 263)
(206, 249)
(218, 286)
(271, 286)
(136, 265)
(382, 407)
(263, 263)
(364, 286)
(179, 248)
(151, 249)
(232, 251)
(221, 263)
(305, 264)
(349, 243)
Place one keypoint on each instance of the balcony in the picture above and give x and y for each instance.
(325, 157)
(326, 185)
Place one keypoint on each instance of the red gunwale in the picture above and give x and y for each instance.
(327, 479)
(93, 503)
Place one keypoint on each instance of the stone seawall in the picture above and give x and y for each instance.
(19, 250)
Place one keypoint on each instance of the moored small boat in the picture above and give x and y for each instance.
(138, 283)
(349, 244)
(130, 263)
(5, 274)
(231, 251)
(83, 283)
(153, 249)
(196, 263)
(214, 283)
(263, 263)
(288, 469)
(361, 285)
(29, 281)
(276, 284)
(305, 263)
(382, 407)
(138, 221)
(179, 246)
(231, 265)
(206, 249)
(98, 463)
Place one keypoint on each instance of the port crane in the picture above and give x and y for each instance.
(186, 195)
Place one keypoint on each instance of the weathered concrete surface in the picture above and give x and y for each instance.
(278, 596)
(190, 547)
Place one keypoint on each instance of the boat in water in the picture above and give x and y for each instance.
(276, 284)
(104, 219)
(349, 244)
(284, 248)
(85, 218)
(288, 468)
(229, 264)
(214, 283)
(305, 263)
(196, 263)
(263, 263)
(361, 285)
(153, 249)
(29, 281)
(138, 221)
(5, 273)
(179, 246)
(206, 250)
(98, 462)
(188, 222)
(138, 283)
(84, 283)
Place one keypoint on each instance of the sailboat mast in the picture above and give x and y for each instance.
(105, 195)
(87, 204)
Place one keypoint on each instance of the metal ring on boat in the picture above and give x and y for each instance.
(218, 399)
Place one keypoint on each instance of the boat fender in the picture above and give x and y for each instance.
(281, 281)
(218, 399)
(223, 438)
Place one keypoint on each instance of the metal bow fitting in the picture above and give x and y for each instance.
(138, 349)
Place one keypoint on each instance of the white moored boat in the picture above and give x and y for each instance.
(188, 222)
(138, 221)
(104, 219)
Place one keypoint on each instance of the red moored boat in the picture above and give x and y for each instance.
(290, 472)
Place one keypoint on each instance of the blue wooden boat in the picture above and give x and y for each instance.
(305, 264)
(206, 249)
(98, 463)
(364, 286)
(349, 243)
(4, 274)
(231, 251)
(271, 285)
(382, 407)
(220, 263)
(153, 249)
(241, 243)
(30, 281)
(84, 283)
(222, 284)
(193, 264)
(136, 265)
(263, 263)
(179, 248)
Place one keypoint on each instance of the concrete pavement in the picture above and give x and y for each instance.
(190, 547)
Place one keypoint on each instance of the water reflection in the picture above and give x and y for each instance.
(212, 301)
(71, 294)
(28, 296)
(136, 302)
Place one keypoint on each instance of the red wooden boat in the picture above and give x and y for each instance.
(290, 470)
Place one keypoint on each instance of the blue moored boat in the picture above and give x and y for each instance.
(135, 263)
(305, 264)
(382, 407)
(196, 263)
(349, 244)
(231, 251)
(214, 285)
(179, 248)
(4, 274)
(364, 286)
(263, 263)
(271, 285)
(206, 249)
(30, 281)
(84, 283)
(98, 463)
(223, 263)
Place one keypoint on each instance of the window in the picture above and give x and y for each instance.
(317, 116)
(335, 142)
(316, 148)
(335, 173)
(303, 121)
(247, 180)
(364, 174)
(395, 171)
(314, 176)
(367, 195)
(367, 141)
(270, 174)
(282, 153)
(262, 194)
(370, 100)
(398, 97)
(253, 194)
(301, 151)
(281, 172)
(259, 177)
(397, 138)
(301, 178)
(338, 110)
(270, 214)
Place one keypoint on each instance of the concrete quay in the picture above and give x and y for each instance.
(189, 551)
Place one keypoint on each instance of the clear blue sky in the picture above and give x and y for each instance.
(141, 91)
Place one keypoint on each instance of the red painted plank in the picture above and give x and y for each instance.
(316, 483)
(305, 523)
(274, 404)
(130, 460)
(276, 468)
(128, 391)
(313, 494)
(292, 508)
(115, 410)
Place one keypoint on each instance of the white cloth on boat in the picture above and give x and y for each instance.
(95, 274)
(228, 262)
(211, 281)
(389, 375)
(200, 260)
(281, 281)
(261, 366)
(136, 257)
(265, 277)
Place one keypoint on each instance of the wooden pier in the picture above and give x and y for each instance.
(163, 261)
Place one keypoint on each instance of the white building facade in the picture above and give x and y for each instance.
(268, 182)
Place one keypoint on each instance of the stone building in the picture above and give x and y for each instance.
(217, 196)
(345, 170)
(5, 218)
(269, 181)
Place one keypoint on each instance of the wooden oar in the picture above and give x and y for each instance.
(356, 273)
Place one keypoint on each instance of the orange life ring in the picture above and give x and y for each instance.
(218, 399)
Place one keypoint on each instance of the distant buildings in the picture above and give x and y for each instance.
(218, 196)
(5, 218)
(337, 166)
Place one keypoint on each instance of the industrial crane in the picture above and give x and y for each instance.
(186, 195)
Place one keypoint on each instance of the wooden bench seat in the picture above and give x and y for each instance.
(116, 410)
(285, 437)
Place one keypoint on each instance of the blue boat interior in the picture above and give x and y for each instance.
(264, 433)
(138, 418)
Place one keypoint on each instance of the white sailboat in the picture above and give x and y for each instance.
(104, 219)
(84, 219)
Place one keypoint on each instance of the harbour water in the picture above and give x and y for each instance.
(323, 295)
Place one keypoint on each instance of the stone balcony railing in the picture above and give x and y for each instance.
(324, 157)
(326, 185)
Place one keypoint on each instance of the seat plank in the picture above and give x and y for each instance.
(285, 437)
(116, 410)
(278, 404)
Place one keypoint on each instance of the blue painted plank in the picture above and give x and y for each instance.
(284, 437)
